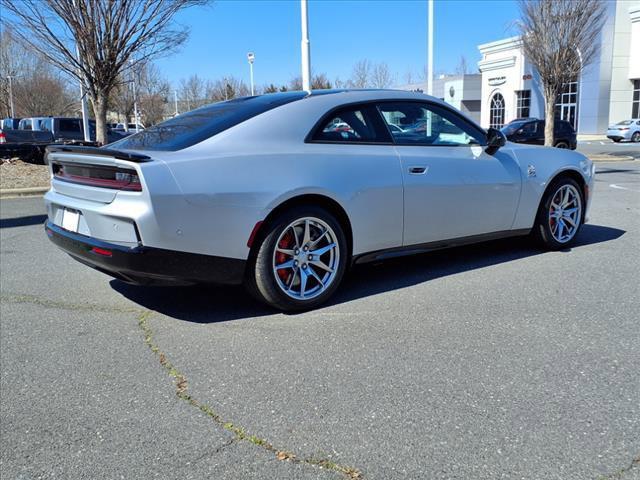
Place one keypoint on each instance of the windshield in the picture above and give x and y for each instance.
(512, 127)
(198, 125)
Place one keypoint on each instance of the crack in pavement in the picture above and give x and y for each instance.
(623, 471)
(182, 385)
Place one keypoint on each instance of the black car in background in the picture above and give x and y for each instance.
(531, 130)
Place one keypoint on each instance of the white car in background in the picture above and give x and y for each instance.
(268, 192)
(625, 130)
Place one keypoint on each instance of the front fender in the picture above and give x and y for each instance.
(540, 165)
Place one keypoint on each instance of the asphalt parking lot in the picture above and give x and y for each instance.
(604, 146)
(483, 362)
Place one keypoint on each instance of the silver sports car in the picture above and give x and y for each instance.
(284, 192)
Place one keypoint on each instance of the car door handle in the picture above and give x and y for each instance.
(417, 170)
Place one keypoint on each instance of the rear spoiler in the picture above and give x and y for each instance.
(103, 152)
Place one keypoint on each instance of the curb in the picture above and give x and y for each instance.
(611, 158)
(22, 192)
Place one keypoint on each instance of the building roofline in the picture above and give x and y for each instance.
(499, 45)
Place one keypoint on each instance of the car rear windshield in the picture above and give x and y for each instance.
(196, 126)
(625, 122)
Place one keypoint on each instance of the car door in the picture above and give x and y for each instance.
(452, 187)
(352, 153)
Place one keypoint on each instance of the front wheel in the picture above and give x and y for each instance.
(300, 261)
(635, 137)
(562, 144)
(560, 214)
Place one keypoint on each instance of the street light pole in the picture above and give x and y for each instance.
(175, 99)
(83, 97)
(251, 57)
(306, 61)
(11, 96)
(430, 50)
(135, 99)
(579, 92)
(83, 104)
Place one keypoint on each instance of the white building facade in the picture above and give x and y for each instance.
(607, 91)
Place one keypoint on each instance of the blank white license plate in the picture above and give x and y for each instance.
(70, 220)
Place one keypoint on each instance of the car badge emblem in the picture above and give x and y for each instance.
(531, 171)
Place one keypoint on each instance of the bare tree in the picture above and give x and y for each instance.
(360, 76)
(226, 88)
(37, 88)
(110, 36)
(381, 76)
(463, 67)
(193, 92)
(559, 39)
(153, 94)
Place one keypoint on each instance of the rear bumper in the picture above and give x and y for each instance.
(616, 136)
(146, 265)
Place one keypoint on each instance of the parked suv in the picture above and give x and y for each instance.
(625, 130)
(532, 131)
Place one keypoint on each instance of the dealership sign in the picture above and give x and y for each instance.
(494, 81)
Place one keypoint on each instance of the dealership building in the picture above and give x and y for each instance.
(608, 90)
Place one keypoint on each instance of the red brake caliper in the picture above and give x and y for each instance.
(286, 243)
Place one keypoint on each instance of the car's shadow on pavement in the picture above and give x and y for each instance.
(211, 304)
(22, 221)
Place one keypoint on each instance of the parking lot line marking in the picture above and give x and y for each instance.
(619, 187)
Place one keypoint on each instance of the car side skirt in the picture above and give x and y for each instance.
(439, 245)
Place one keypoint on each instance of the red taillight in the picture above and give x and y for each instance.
(98, 176)
(3, 138)
(102, 251)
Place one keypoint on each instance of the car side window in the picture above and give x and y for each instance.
(354, 124)
(70, 125)
(412, 123)
(529, 128)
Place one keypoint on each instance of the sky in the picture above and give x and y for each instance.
(341, 33)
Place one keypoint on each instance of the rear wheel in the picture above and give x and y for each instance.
(562, 144)
(560, 214)
(300, 261)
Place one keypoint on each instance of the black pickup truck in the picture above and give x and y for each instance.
(32, 136)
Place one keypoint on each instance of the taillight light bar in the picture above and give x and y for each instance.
(116, 178)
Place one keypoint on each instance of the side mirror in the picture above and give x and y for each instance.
(495, 140)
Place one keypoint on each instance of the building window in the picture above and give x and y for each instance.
(496, 111)
(635, 105)
(567, 103)
(523, 102)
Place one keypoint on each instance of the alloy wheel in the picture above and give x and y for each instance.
(565, 213)
(306, 258)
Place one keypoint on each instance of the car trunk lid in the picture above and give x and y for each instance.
(92, 173)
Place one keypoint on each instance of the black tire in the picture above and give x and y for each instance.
(261, 279)
(561, 144)
(542, 228)
(635, 138)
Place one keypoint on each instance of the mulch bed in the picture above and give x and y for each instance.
(15, 173)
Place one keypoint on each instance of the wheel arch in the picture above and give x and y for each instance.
(575, 175)
(319, 200)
